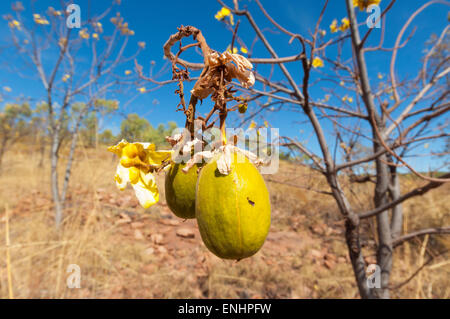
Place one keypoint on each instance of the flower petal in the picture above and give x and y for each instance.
(134, 174)
(148, 146)
(122, 177)
(224, 160)
(130, 162)
(117, 149)
(157, 157)
(146, 190)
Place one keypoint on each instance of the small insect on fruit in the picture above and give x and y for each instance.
(232, 211)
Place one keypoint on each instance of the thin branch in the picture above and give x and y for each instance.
(428, 231)
(415, 192)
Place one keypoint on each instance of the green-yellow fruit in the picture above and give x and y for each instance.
(232, 211)
(242, 108)
(180, 190)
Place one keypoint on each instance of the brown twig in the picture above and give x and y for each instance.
(422, 232)
(415, 192)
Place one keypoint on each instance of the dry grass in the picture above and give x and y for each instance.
(304, 257)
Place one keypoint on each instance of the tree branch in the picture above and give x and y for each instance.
(416, 192)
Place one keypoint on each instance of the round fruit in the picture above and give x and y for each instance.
(180, 190)
(242, 108)
(232, 211)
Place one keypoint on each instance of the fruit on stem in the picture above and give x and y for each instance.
(180, 190)
(232, 211)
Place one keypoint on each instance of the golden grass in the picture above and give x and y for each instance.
(305, 255)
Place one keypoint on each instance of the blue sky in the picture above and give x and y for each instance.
(154, 21)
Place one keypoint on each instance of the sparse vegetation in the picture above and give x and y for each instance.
(122, 254)
(363, 181)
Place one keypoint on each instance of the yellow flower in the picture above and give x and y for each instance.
(54, 12)
(235, 50)
(141, 44)
(266, 124)
(333, 26)
(136, 166)
(345, 24)
(244, 50)
(253, 126)
(317, 62)
(83, 34)
(380, 76)
(323, 33)
(346, 98)
(65, 77)
(14, 24)
(7, 89)
(39, 20)
(341, 83)
(142, 89)
(95, 36)
(127, 72)
(364, 4)
(224, 12)
(97, 27)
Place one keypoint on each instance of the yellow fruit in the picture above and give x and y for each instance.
(232, 211)
(180, 190)
(242, 108)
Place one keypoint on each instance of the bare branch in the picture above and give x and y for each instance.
(415, 192)
(427, 231)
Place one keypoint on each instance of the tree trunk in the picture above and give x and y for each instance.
(96, 130)
(384, 250)
(356, 257)
(42, 151)
(54, 178)
(2, 152)
(352, 237)
(73, 146)
(397, 211)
